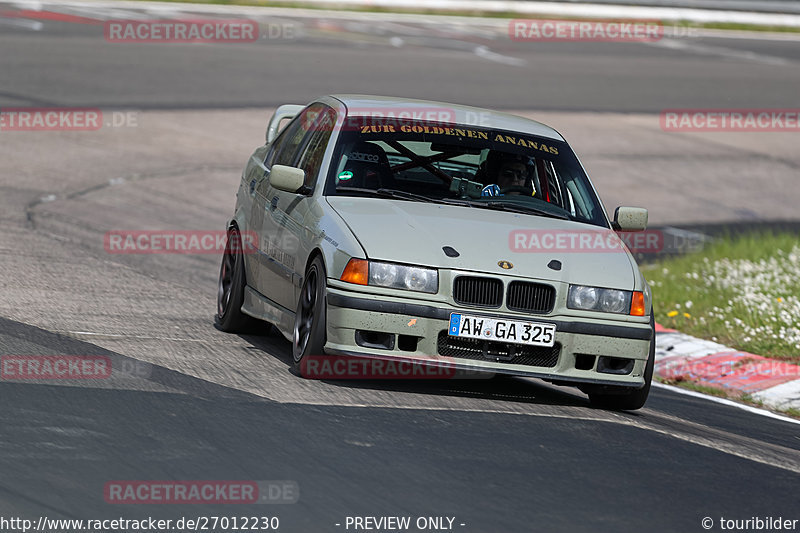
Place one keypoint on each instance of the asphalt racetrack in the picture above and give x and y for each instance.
(501, 455)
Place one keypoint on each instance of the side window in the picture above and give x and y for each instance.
(286, 146)
(299, 134)
(284, 149)
(315, 145)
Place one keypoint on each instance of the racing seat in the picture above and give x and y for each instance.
(481, 176)
(370, 167)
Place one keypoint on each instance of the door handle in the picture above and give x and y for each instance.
(274, 204)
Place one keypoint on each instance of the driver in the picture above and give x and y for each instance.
(506, 170)
(512, 173)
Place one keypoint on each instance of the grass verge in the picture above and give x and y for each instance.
(743, 292)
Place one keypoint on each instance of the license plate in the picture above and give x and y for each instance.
(494, 329)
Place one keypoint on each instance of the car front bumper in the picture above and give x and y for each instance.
(606, 352)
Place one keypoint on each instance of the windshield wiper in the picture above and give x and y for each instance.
(517, 208)
(395, 193)
(402, 195)
(389, 193)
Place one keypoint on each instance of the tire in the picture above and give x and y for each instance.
(230, 287)
(309, 335)
(629, 400)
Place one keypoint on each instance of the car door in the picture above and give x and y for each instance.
(278, 216)
(302, 234)
(273, 277)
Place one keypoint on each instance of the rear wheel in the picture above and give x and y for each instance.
(230, 288)
(310, 321)
(629, 400)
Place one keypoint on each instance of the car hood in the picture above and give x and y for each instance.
(415, 233)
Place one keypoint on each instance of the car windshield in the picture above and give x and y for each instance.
(465, 165)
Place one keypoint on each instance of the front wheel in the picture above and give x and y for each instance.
(230, 288)
(632, 399)
(309, 334)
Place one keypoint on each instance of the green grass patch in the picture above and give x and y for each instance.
(743, 292)
(792, 412)
(697, 387)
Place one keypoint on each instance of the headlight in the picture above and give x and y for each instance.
(614, 301)
(380, 274)
(420, 279)
(582, 297)
(383, 274)
(597, 299)
(647, 296)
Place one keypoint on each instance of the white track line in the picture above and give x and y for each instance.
(723, 401)
(33, 25)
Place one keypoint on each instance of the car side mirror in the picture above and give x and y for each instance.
(289, 179)
(630, 219)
